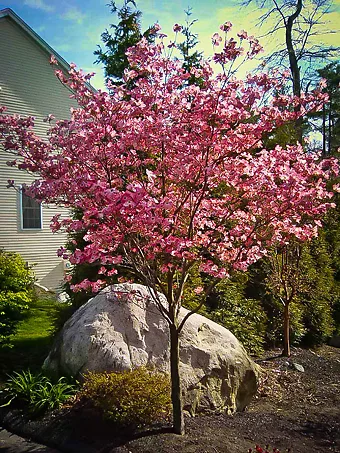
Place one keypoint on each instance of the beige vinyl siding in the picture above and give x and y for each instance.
(29, 87)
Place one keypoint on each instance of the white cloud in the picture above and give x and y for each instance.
(74, 15)
(39, 4)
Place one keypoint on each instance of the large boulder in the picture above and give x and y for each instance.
(121, 328)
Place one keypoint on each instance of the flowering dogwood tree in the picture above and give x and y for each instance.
(171, 175)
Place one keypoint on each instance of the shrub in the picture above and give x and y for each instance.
(322, 292)
(245, 318)
(314, 305)
(228, 306)
(16, 293)
(130, 398)
(36, 391)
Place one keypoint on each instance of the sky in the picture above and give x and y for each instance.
(73, 27)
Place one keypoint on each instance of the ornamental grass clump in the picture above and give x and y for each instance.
(36, 392)
(131, 398)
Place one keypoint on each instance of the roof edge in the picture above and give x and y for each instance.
(8, 12)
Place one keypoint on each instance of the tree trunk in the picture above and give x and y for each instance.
(330, 126)
(294, 65)
(286, 340)
(176, 391)
(324, 140)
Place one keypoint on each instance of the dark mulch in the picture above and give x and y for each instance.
(292, 409)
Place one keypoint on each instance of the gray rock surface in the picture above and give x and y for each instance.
(121, 328)
(298, 367)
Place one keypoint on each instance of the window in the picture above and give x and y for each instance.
(31, 218)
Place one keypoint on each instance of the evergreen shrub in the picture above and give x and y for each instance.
(130, 398)
(244, 317)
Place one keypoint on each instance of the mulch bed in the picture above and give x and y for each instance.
(292, 410)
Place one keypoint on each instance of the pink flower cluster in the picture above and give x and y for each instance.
(233, 49)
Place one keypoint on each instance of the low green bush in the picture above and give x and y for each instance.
(16, 293)
(245, 318)
(131, 398)
(36, 392)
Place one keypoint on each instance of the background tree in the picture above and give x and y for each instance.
(303, 25)
(167, 176)
(314, 307)
(286, 280)
(126, 33)
(330, 115)
(192, 58)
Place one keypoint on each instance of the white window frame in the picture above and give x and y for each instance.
(22, 214)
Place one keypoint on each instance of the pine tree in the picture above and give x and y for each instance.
(126, 33)
(191, 58)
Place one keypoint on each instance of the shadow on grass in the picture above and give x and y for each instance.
(25, 353)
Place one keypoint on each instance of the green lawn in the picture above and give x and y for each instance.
(33, 339)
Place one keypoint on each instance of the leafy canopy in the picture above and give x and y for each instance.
(170, 174)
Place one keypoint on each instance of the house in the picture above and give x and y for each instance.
(29, 87)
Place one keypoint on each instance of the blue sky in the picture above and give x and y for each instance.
(73, 27)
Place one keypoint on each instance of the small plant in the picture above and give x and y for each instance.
(37, 391)
(22, 386)
(48, 396)
(131, 398)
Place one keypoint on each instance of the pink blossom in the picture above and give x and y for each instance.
(177, 28)
(198, 290)
(156, 27)
(323, 83)
(53, 60)
(242, 34)
(216, 39)
(61, 251)
(226, 26)
(112, 272)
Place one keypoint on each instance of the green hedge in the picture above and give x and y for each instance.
(16, 293)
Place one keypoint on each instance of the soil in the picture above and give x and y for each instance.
(296, 411)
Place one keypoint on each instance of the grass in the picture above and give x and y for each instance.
(33, 339)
